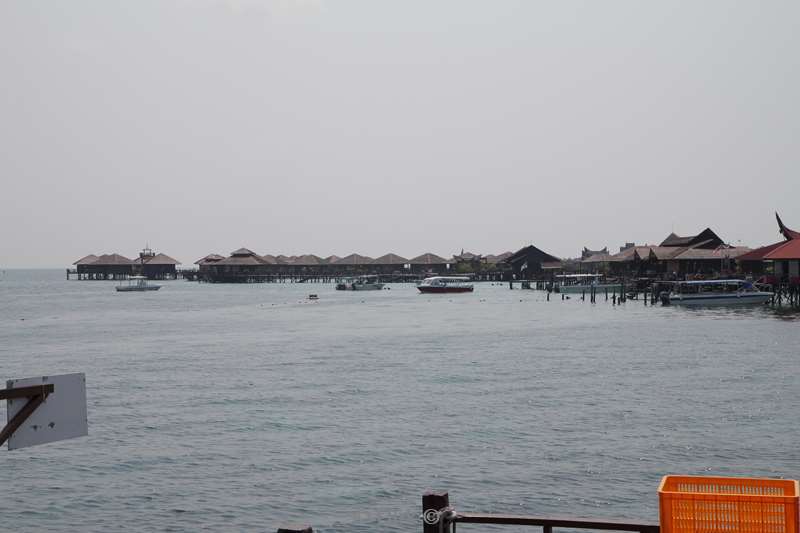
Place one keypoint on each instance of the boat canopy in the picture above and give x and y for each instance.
(717, 282)
(579, 276)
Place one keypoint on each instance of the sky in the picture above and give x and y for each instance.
(333, 127)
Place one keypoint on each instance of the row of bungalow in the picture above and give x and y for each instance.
(704, 254)
(245, 265)
(116, 266)
(701, 255)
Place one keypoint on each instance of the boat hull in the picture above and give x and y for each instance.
(441, 290)
(367, 287)
(139, 289)
(721, 299)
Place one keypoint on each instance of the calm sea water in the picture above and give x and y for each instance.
(241, 408)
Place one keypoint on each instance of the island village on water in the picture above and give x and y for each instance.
(701, 257)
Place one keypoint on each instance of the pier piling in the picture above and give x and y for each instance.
(434, 504)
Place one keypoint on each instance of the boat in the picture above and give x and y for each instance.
(580, 283)
(361, 283)
(715, 292)
(444, 284)
(137, 284)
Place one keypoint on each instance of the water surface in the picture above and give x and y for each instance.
(242, 407)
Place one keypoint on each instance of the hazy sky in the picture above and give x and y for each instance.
(407, 126)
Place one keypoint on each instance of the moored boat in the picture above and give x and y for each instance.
(137, 284)
(579, 283)
(445, 284)
(361, 283)
(715, 292)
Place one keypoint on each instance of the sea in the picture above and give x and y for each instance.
(216, 407)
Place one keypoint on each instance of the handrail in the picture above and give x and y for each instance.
(550, 522)
(438, 516)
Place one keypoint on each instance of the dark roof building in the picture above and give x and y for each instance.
(530, 260)
(704, 239)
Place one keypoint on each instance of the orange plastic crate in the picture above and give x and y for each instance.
(701, 504)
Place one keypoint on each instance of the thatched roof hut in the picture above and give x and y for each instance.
(308, 260)
(210, 258)
(428, 259)
(112, 260)
(355, 259)
(390, 259)
(499, 258)
(160, 259)
(242, 257)
(88, 260)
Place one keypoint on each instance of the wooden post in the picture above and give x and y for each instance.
(432, 505)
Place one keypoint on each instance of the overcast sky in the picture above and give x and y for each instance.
(333, 127)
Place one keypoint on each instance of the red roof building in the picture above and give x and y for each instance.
(784, 255)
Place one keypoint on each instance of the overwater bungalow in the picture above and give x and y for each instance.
(429, 263)
(353, 264)
(156, 265)
(390, 263)
(107, 266)
(243, 265)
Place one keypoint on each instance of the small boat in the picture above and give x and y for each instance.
(579, 283)
(361, 283)
(313, 297)
(137, 284)
(445, 284)
(715, 292)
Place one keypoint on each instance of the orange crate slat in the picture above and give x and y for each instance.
(705, 504)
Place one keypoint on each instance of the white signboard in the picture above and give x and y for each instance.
(61, 416)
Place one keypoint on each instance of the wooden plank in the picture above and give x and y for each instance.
(21, 417)
(550, 522)
(26, 392)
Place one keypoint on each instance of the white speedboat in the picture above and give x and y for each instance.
(716, 292)
(443, 284)
(137, 284)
